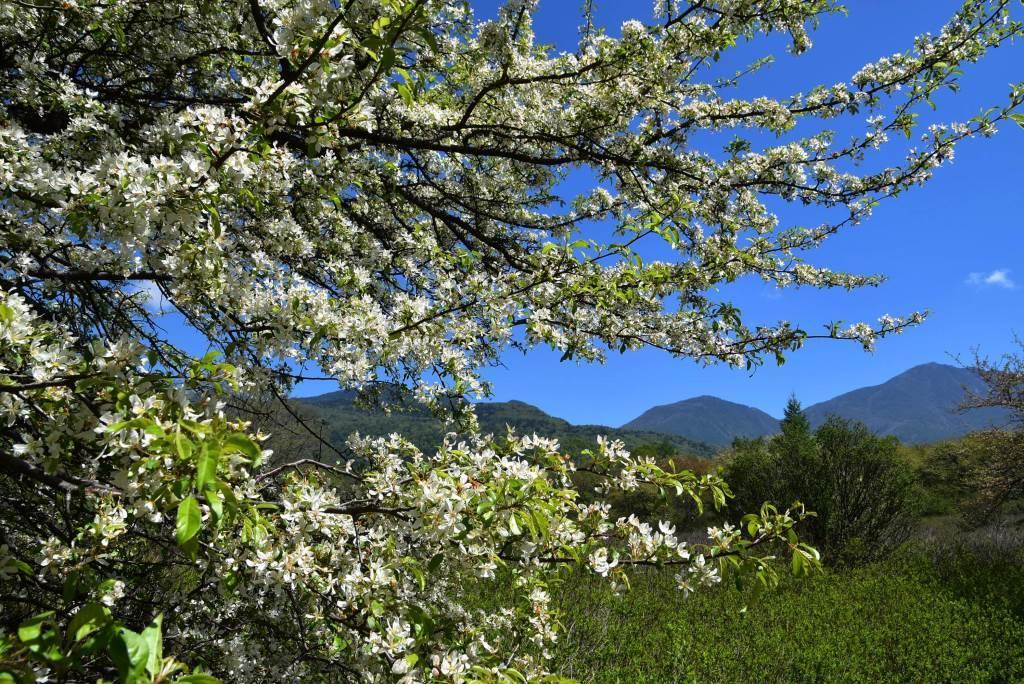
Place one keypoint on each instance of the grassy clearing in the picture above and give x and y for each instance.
(927, 615)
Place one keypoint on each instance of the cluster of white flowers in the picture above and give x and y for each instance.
(358, 558)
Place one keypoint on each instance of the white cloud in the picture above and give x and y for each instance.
(997, 278)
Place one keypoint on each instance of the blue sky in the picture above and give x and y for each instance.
(953, 246)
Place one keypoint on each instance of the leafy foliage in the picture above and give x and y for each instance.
(977, 476)
(91, 631)
(982, 473)
(996, 465)
(863, 493)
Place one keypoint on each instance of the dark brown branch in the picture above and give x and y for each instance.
(72, 276)
(12, 466)
(274, 472)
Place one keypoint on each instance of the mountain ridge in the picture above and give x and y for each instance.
(917, 406)
(341, 418)
(708, 419)
(895, 407)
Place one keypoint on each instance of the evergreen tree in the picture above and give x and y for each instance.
(794, 420)
(796, 443)
(795, 452)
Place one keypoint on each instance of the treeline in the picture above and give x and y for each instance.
(924, 554)
(869, 493)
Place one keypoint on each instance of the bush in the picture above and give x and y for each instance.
(862, 490)
(865, 503)
(980, 476)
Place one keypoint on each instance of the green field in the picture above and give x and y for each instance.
(933, 613)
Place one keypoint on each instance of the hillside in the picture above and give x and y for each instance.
(918, 405)
(706, 419)
(342, 418)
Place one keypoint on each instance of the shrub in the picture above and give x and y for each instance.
(865, 499)
(861, 489)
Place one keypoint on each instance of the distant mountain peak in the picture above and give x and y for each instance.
(515, 402)
(918, 405)
(330, 398)
(707, 419)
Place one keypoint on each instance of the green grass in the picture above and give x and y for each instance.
(909, 619)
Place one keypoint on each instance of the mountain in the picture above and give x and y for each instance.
(706, 419)
(918, 405)
(341, 418)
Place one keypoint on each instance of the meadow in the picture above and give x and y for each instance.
(947, 607)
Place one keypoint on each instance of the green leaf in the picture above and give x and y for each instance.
(434, 563)
(214, 501)
(154, 644)
(187, 524)
(130, 653)
(30, 630)
(405, 92)
(798, 563)
(183, 445)
(197, 678)
(210, 356)
(91, 618)
(752, 526)
(206, 471)
(143, 423)
(242, 444)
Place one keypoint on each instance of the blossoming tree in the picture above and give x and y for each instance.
(373, 190)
